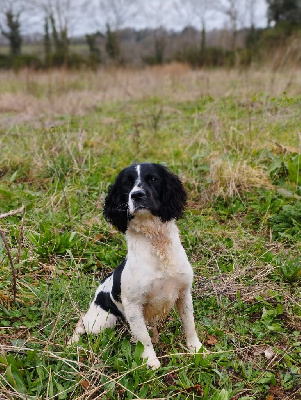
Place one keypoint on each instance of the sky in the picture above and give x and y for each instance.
(175, 15)
(174, 19)
(88, 16)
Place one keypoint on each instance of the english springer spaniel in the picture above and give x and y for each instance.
(144, 203)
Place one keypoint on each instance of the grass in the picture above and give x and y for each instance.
(234, 139)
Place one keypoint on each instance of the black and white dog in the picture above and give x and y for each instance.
(144, 203)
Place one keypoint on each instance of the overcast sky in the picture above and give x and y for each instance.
(87, 16)
(176, 14)
(173, 18)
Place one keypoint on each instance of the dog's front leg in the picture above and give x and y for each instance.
(185, 309)
(134, 316)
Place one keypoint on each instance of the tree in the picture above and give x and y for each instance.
(160, 43)
(13, 32)
(196, 12)
(287, 11)
(47, 42)
(110, 16)
(231, 9)
(157, 12)
(112, 43)
(95, 54)
(253, 33)
(60, 16)
(115, 13)
(201, 8)
(10, 23)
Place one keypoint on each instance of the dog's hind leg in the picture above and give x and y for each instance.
(97, 319)
(93, 321)
(154, 332)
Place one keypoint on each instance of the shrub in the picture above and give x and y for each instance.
(290, 269)
(26, 61)
(212, 57)
(287, 223)
(5, 61)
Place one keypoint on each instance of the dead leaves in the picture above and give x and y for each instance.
(211, 340)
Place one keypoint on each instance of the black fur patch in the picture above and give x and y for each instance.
(104, 300)
(116, 289)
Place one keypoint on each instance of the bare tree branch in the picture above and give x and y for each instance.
(115, 13)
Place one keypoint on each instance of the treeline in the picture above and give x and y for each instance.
(279, 43)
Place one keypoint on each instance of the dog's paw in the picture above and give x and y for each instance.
(196, 347)
(151, 359)
(74, 338)
(153, 363)
(79, 330)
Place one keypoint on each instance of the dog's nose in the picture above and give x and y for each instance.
(138, 195)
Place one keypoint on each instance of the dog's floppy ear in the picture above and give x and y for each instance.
(173, 198)
(115, 209)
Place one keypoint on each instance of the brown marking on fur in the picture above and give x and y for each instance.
(157, 231)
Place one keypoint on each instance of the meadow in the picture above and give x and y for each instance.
(234, 138)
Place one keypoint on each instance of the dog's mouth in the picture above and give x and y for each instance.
(141, 208)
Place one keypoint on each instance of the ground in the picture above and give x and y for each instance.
(234, 139)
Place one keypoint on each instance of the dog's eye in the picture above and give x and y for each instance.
(128, 182)
(151, 179)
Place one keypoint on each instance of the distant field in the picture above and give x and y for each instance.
(234, 138)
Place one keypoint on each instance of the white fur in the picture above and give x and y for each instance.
(157, 275)
(135, 189)
(158, 268)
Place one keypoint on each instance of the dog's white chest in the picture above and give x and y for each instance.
(157, 269)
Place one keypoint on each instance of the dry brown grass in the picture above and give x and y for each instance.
(38, 98)
(231, 178)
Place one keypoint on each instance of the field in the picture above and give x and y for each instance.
(234, 138)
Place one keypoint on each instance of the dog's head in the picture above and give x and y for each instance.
(144, 187)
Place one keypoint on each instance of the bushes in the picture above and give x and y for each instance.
(72, 61)
(5, 62)
(212, 57)
(20, 61)
(26, 61)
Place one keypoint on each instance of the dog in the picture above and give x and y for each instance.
(144, 203)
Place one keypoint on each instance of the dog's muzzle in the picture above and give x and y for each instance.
(138, 200)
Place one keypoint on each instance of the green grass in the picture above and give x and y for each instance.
(238, 156)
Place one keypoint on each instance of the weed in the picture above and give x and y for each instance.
(286, 224)
(290, 269)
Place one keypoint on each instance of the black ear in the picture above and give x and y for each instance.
(173, 198)
(116, 209)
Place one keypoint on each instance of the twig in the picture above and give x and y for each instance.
(21, 236)
(13, 271)
(44, 312)
(13, 212)
(2, 234)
